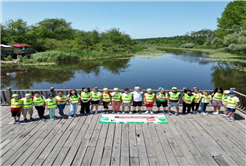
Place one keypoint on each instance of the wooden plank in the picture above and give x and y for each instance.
(125, 153)
(115, 158)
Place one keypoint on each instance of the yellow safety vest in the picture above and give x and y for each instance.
(16, 103)
(39, 101)
(161, 95)
(106, 97)
(27, 102)
(61, 98)
(231, 102)
(218, 96)
(74, 99)
(196, 96)
(174, 96)
(51, 103)
(116, 97)
(127, 98)
(85, 95)
(204, 98)
(224, 98)
(188, 98)
(95, 96)
(149, 97)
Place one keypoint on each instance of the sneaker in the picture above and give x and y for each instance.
(14, 122)
(151, 112)
(194, 112)
(146, 112)
(215, 113)
(95, 112)
(113, 112)
(119, 112)
(43, 119)
(31, 119)
(17, 122)
(91, 112)
(123, 112)
(232, 119)
(69, 117)
(176, 113)
(75, 115)
(204, 113)
(169, 113)
(51, 118)
(25, 120)
(130, 112)
(140, 112)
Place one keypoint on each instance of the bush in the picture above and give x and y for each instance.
(237, 48)
(8, 58)
(187, 45)
(58, 56)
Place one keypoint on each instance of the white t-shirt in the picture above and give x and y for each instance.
(137, 96)
(237, 100)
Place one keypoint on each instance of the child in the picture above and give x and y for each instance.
(149, 99)
(173, 99)
(39, 103)
(116, 100)
(224, 101)
(232, 102)
(161, 99)
(106, 99)
(206, 98)
(95, 99)
(217, 100)
(85, 100)
(126, 101)
(61, 103)
(51, 105)
(187, 100)
(27, 106)
(73, 99)
(16, 105)
(197, 99)
(137, 99)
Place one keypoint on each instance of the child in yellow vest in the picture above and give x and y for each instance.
(197, 99)
(206, 98)
(126, 101)
(149, 99)
(106, 99)
(96, 96)
(51, 104)
(27, 106)
(232, 103)
(61, 103)
(187, 100)
(217, 100)
(15, 108)
(116, 100)
(224, 101)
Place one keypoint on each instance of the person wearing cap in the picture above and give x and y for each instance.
(39, 103)
(217, 100)
(51, 104)
(61, 103)
(73, 99)
(116, 100)
(96, 96)
(126, 101)
(187, 100)
(15, 108)
(85, 100)
(161, 99)
(224, 101)
(27, 106)
(232, 103)
(137, 99)
(173, 99)
(149, 99)
(197, 99)
(106, 99)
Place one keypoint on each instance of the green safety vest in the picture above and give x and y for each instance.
(61, 98)
(39, 101)
(96, 96)
(205, 97)
(161, 95)
(196, 96)
(218, 96)
(16, 103)
(188, 98)
(127, 98)
(85, 95)
(224, 98)
(174, 96)
(74, 99)
(149, 97)
(106, 97)
(231, 102)
(51, 103)
(27, 102)
(116, 97)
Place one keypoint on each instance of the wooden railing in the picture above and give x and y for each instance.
(6, 94)
(17, 51)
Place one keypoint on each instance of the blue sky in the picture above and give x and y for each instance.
(139, 19)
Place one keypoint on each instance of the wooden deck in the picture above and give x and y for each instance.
(187, 140)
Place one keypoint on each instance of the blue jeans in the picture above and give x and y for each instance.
(61, 108)
(73, 109)
(203, 107)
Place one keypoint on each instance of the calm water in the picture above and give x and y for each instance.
(172, 68)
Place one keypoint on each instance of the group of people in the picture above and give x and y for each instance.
(191, 101)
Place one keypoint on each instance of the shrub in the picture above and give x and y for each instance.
(187, 45)
(8, 58)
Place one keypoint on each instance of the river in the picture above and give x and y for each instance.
(167, 69)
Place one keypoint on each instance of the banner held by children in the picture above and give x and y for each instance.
(152, 119)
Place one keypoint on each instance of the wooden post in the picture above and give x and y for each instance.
(183, 91)
(9, 95)
(52, 90)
